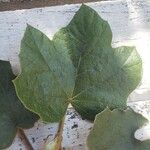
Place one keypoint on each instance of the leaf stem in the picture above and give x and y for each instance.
(24, 139)
(59, 134)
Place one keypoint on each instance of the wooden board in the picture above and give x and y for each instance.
(28, 4)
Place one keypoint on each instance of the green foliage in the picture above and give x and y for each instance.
(13, 115)
(78, 66)
(114, 130)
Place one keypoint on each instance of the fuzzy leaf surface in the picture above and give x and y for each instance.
(78, 66)
(105, 76)
(114, 130)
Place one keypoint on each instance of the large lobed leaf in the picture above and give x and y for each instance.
(78, 66)
(13, 115)
(114, 130)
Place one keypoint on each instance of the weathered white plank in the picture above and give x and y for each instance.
(130, 23)
(129, 20)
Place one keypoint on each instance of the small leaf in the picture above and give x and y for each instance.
(53, 145)
(13, 115)
(78, 66)
(114, 130)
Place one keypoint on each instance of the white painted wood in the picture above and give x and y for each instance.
(130, 24)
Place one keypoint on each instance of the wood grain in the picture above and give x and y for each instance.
(28, 4)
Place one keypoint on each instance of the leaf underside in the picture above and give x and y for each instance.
(114, 130)
(13, 115)
(78, 66)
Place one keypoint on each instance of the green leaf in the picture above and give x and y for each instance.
(105, 76)
(47, 75)
(13, 115)
(78, 66)
(114, 130)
